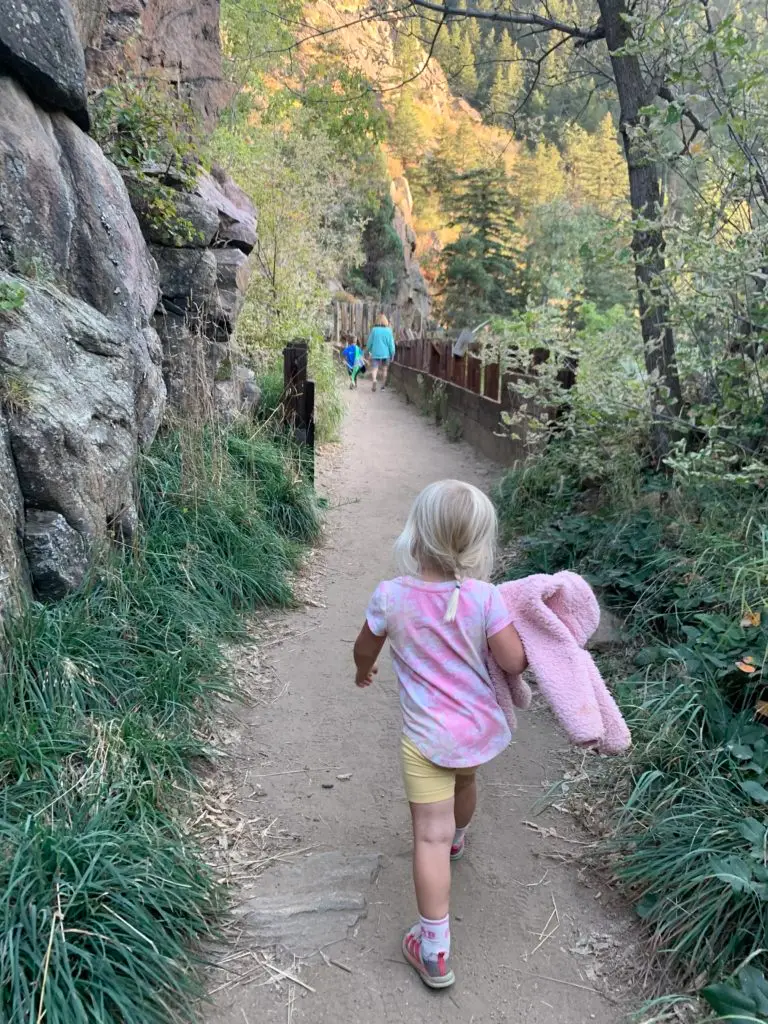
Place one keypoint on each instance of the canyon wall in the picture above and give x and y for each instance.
(105, 321)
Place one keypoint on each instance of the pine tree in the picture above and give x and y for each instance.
(406, 132)
(445, 50)
(480, 273)
(538, 176)
(408, 52)
(596, 166)
(507, 82)
(465, 80)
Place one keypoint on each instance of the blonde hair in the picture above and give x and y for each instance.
(381, 321)
(451, 528)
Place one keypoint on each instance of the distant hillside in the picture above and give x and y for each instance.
(434, 134)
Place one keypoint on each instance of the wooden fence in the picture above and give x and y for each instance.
(354, 320)
(427, 355)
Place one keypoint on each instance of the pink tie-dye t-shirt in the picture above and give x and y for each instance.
(449, 706)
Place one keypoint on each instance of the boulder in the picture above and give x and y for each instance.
(226, 401)
(233, 272)
(217, 359)
(39, 46)
(91, 394)
(65, 213)
(187, 377)
(187, 276)
(238, 396)
(81, 351)
(57, 555)
(194, 225)
(237, 216)
(250, 392)
(12, 562)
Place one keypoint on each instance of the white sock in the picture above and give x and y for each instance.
(458, 836)
(435, 937)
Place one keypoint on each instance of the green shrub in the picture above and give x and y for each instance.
(12, 296)
(142, 123)
(101, 697)
(686, 565)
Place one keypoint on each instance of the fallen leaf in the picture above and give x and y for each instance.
(750, 619)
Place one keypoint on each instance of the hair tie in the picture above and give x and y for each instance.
(453, 604)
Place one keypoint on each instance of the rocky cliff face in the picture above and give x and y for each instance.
(177, 41)
(100, 326)
(202, 287)
(412, 293)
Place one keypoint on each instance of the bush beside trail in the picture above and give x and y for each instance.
(686, 564)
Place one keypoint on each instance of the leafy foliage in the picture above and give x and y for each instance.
(12, 296)
(382, 270)
(743, 1002)
(342, 98)
(686, 565)
(155, 140)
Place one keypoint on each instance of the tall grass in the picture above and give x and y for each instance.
(102, 895)
(688, 567)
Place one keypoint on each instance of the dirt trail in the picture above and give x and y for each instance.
(524, 921)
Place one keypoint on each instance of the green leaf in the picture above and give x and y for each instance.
(732, 1003)
(729, 1003)
(755, 833)
(735, 872)
(674, 114)
(754, 790)
(741, 752)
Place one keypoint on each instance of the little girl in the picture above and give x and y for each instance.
(441, 618)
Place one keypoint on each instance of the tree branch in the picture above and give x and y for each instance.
(509, 18)
(666, 94)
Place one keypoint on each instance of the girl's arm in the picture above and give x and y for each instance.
(507, 648)
(366, 651)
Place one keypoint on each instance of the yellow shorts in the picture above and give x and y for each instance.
(425, 782)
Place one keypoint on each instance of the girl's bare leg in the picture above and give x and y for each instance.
(433, 829)
(466, 799)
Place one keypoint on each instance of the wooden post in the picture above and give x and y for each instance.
(299, 399)
(308, 426)
(491, 383)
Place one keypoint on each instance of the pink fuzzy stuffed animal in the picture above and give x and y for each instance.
(555, 616)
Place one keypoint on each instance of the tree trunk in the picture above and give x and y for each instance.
(647, 237)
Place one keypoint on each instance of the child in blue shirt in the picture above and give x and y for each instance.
(353, 357)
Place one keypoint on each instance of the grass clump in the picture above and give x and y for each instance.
(686, 565)
(101, 695)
